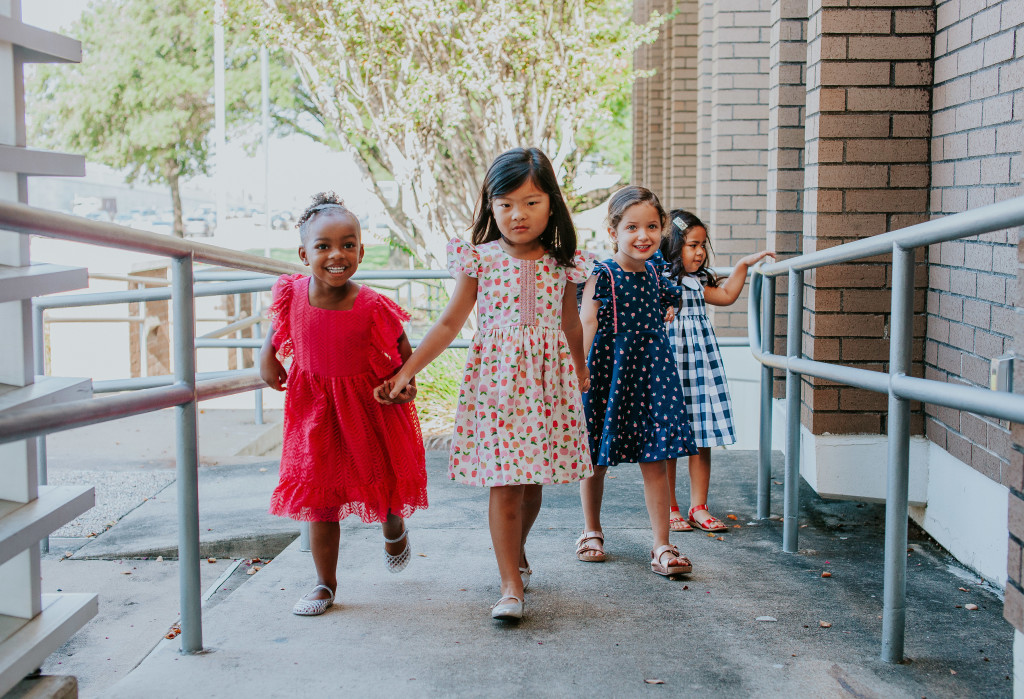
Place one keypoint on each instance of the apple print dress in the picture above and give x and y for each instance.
(520, 415)
(635, 407)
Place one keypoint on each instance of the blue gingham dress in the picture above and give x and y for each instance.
(700, 368)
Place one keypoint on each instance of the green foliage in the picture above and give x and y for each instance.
(428, 92)
(141, 100)
(438, 386)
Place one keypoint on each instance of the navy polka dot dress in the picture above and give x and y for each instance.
(635, 408)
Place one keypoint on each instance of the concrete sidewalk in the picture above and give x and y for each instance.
(747, 622)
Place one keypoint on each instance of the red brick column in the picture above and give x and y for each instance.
(867, 172)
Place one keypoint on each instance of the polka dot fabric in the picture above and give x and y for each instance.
(520, 414)
(635, 408)
(343, 453)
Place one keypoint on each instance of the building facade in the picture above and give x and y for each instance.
(804, 124)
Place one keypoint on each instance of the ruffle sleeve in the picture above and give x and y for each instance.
(582, 267)
(463, 257)
(603, 283)
(280, 312)
(388, 318)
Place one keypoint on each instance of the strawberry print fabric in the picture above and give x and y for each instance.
(520, 413)
(635, 407)
(343, 452)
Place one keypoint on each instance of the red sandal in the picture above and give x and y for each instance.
(676, 522)
(711, 524)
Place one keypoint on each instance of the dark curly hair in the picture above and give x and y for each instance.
(507, 173)
(672, 247)
(323, 203)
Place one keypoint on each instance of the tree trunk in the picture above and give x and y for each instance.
(172, 171)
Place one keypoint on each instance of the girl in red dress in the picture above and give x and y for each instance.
(343, 452)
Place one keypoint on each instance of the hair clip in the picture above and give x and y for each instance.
(679, 223)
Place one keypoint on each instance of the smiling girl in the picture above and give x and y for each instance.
(343, 453)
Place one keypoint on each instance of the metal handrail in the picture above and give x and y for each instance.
(900, 387)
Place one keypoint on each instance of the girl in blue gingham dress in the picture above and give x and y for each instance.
(686, 251)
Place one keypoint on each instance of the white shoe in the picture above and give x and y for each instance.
(313, 607)
(396, 564)
(507, 611)
(524, 574)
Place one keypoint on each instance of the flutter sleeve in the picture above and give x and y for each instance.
(582, 267)
(280, 312)
(388, 319)
(463, 257)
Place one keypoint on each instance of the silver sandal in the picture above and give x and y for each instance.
(397, 563)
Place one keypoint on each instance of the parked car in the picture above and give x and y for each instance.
(197, 226)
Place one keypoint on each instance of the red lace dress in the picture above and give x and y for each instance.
(343, 453)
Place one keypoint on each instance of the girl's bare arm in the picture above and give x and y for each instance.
(271, 369)
(405, 351)
(573, 330)
(728, 291)
(436, 341)
(588, 315)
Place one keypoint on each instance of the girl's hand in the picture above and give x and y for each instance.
(273, 372)
(750, 260)
(583, 376)
(398, 386)
(670, 314)
(382, 394)
(406, 395)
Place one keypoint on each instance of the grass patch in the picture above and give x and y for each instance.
(438, 390)
(375, 257)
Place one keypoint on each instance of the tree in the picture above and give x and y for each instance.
(142, 97)
(428, 92)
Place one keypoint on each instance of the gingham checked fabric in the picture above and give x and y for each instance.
(700, 369)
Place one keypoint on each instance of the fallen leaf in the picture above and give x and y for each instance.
(737, 526)
(803, 526)
(765, 618)
(826, 574)
(686, 587)
(721, 538)
(777, 482)
(263, 470)
(251, 571)
(652, 681)
(825, 624)
(256, 560)
(126, 572)
(962, 589)
(615, 477)
(711, 535)
(952, 672)
(159, 559)
(211, 559)
(422, 555)
(971, 607)
(731, 517)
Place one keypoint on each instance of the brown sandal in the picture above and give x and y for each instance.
(663, 568)
(676, 521)
(597, 551)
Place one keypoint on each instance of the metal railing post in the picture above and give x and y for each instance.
(257, 332)
(900, 343)
(791, 488)
(187, 470)
(304, 537)
(39, 367)
(764, 471)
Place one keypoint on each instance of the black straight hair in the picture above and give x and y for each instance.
(682, 222)
(509, 172)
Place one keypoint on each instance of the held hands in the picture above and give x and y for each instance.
(395, 391)
(670, 314)
(583, 376)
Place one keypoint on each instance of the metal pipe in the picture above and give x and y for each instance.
(983, 401)
(39, 368)
(32, 422)
(241, 381)
(764, 470)
(791, 487)
(901, 340)
(242, 324)
(257, 332)
(187, 463)
(143, 382)
(304, 537)
(141, 295)
(51, 224)
(985, 219)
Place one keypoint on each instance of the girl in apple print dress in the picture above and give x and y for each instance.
(519, 421)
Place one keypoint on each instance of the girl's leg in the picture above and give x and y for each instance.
(591, 496)
(700, 480)
(323, 542)
(655, 474)
(505, 516)
(671, 471)
(533, 495)
(393, 527)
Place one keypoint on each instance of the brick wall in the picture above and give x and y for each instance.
(976, 160)
(867, 171)
(787, 100)
(665, 106)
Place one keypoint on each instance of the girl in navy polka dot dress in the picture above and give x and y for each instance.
(635, 409)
